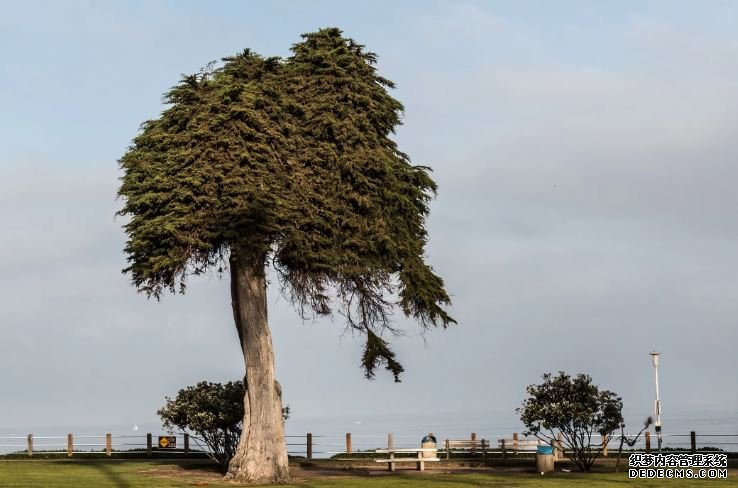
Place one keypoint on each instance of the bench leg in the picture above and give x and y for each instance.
(421, 464)
(391, 466)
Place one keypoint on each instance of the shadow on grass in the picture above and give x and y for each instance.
(445, 480)
(205, 465)
(115, 478)
(506, 480)
(333, 471)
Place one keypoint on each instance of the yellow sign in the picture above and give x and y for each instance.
(167, 442)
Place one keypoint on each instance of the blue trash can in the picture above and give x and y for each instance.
(545, 449)
(545, 459)
(429, 442)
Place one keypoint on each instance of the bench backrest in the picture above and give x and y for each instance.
(476, 444)
(520, 444)
(466, 443)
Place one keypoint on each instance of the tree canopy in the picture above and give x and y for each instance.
(291, 161)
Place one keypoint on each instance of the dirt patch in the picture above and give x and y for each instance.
(307, 472)
(201, 475)
(205, 475)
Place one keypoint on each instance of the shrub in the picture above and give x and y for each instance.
(212, 414)
(575, 408)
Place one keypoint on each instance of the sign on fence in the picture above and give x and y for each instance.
(167, 442)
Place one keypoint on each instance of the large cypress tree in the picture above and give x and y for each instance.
(289, 164)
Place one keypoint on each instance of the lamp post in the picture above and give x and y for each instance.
(657, 405)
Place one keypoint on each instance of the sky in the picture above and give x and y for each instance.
(585, 154)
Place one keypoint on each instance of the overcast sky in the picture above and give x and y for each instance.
(587, 213)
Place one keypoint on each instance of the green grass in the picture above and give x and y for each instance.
(149, 474)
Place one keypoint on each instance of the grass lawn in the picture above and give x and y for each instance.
(149, 474)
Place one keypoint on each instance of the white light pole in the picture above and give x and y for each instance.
(657, 405)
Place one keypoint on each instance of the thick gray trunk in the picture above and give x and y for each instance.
(261, 456)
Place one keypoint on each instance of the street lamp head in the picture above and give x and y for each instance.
(655, 357)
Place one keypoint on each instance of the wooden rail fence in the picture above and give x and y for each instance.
(311, 446)
(107, 445)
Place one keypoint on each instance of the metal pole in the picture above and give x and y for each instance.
(657, 427)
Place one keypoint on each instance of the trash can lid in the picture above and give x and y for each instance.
(545, 449)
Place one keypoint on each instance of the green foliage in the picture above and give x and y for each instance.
(290, 160)
(577, 409)
(212, 413)
(377, 352)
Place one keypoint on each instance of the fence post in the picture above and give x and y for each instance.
(559, 450)
(186, 444)
(484, 449)
(310, 446)
(108, 444)
(70, 445)
(648, 441)
(604, 445)
(473, 449)
(390, 441)
(348, 443)
(515, 442)
(448, 449)
(148, 445)
(30, 445)
(504, 450)
(693, 440)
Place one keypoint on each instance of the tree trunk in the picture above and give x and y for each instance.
(261, 456)
(620, 450)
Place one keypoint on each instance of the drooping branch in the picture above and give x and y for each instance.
(376, 353)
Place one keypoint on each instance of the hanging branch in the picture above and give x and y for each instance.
(631, 441)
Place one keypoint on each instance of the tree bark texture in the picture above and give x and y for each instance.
(261, 456)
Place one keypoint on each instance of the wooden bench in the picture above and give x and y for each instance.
(466, 445)
(516, 445)
(419, 460)
(483, 446)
